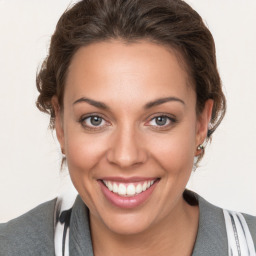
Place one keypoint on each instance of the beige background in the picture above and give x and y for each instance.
(29, 153)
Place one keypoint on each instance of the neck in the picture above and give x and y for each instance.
(175, 235)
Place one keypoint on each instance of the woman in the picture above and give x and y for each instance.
(134, 94)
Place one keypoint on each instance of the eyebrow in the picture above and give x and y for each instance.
(94, 103)
(161, 101)
(150, 104)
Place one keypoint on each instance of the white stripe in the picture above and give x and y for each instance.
(58, 238)
(232, 248)
(248, 236)
(64, 202)
(242, 235)
(67, 244)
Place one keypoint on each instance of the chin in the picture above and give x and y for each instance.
(127, 224)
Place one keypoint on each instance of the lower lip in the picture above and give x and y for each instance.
(127, 202)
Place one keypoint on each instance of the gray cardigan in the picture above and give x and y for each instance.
(33, 232)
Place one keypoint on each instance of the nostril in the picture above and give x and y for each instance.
(125, 158)
(125, 148)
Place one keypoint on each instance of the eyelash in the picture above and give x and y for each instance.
(172, 120)
(92, 128)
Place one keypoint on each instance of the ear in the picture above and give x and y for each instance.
(58, 122)
(202, 122)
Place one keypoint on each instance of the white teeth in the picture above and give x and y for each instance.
(109, 185)
(138, 189)
(115, 188)
(144, 187)
(121, 190)
(131, 189)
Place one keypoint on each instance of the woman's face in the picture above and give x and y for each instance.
(130, 133)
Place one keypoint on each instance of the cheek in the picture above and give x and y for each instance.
(175, 152)
(83, 151)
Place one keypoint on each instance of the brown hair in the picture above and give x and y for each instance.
(172, 23)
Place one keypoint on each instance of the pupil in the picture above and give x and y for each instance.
(161, 120)
(96, 120)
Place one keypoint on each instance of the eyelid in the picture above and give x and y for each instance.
(171, 117)
(93, 128)
(83, 117)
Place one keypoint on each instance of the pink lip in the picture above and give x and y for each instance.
(127, 202)
(127, 180)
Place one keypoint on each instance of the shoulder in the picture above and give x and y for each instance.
(31, 233)
(212, 237)
(251, 222)
(217, 211)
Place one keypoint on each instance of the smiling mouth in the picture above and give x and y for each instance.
(128, 189)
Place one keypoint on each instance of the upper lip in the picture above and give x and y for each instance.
(128, 179)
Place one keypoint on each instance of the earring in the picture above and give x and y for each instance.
(62, 151)
(200, 147)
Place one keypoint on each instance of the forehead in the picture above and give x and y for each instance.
(114, 69)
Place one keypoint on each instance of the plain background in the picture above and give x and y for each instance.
(29, 153)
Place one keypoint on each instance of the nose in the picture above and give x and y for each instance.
(126, 148)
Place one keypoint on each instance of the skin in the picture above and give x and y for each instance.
(129, 142)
